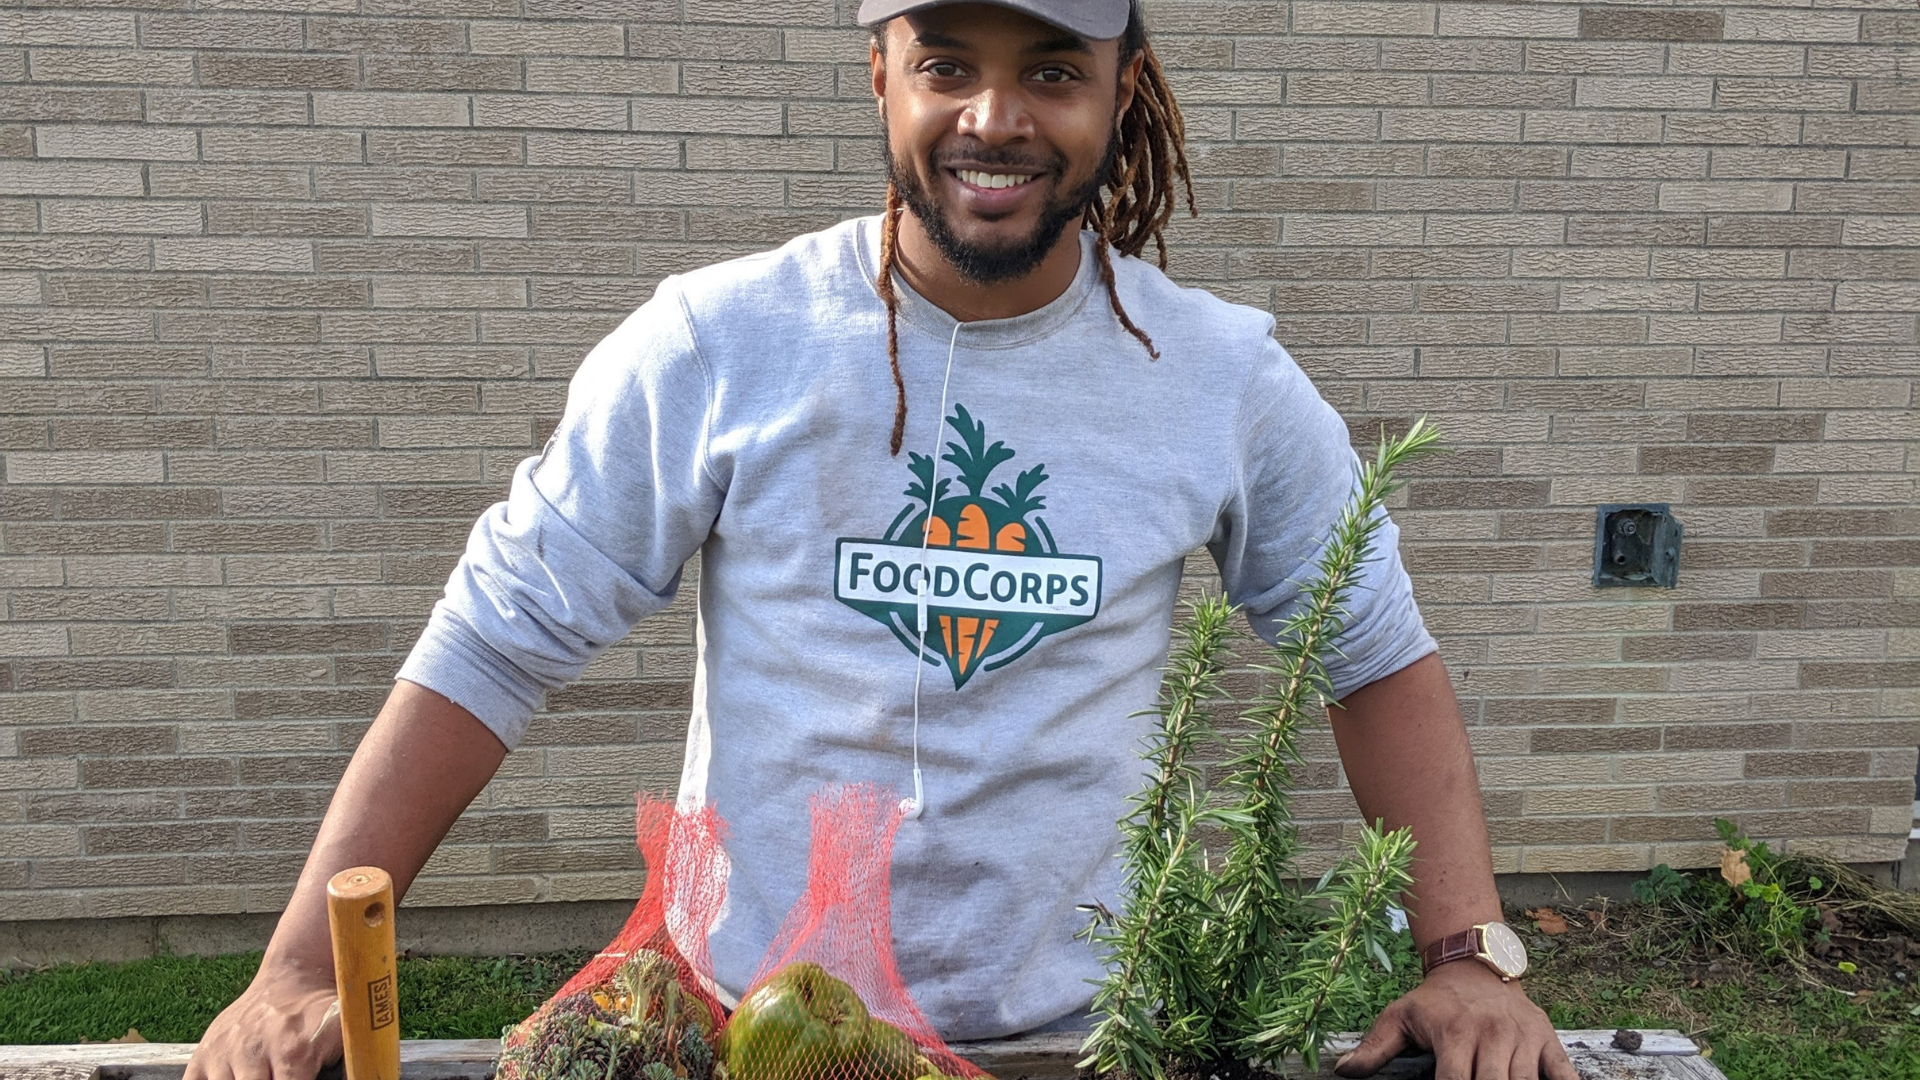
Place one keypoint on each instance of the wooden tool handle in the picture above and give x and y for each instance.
(360, 912)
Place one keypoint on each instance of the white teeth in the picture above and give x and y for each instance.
(992, 180)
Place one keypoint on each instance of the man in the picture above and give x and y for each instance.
(1073, 424)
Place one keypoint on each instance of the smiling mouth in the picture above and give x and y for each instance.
(991, 180)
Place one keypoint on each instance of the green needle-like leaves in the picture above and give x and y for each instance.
(1165, 875)
(1214, 963)
(1330, 967)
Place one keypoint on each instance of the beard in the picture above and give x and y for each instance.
(985, 264)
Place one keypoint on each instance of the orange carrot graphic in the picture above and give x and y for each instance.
(974, 521)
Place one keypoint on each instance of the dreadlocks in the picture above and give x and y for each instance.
(1139, 200)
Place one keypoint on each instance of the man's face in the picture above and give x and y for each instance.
(1000, 129)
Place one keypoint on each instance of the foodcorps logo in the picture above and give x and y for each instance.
(872, 570)
(995, 582)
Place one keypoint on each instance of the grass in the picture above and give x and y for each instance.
(1757, 1019)
(174, 998)
(1761, 1020)
(169, 998)
(1784, 1019)
(1760, 1025)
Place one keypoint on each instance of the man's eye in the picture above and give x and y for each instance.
(942, 69)
(1053, 75)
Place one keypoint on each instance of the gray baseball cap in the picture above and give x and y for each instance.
(1096, 19)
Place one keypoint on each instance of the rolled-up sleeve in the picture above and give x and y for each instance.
(1296, 470)
(593, 533)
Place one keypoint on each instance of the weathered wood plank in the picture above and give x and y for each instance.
(1652, 1043)
(49, 1072)
(420, 1059)
(1593, 1054)
(1663, 1055)
(1041, 1057)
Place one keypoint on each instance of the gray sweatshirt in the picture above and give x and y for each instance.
(744, 412)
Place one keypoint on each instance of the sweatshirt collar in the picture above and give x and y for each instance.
(922, 314)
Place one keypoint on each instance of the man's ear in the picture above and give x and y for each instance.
(1129, 82)
(878, 60)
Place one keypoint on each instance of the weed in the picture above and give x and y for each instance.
(1745, 908)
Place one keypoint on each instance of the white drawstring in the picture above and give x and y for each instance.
(915, 806)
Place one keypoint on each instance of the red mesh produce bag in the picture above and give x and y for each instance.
(642, 1008)
(828, 1002)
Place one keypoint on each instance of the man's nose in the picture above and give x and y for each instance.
(996, 116)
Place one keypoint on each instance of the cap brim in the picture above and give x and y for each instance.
(1100, 20)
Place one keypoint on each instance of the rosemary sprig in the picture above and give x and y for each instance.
(1168, 884)
(1259, 916)
(1356, 893)
(1205, 965)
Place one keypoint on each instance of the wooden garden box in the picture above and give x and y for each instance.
(1662, 1055)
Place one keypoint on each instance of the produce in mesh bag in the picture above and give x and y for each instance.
(642, 1008)
(804, 1024)
(644, 1026)
(827, 1002)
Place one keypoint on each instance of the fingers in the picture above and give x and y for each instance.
(303, 1058)
(296, 1061)
(1382, 1044)
(217, 1069)
(251, 1060)
(1555, 1063)
(200, 1067)
(211, 1058)
(1453, 1060)
(268, 1033)
(1526, 1060)
(1487, 1048)
(1476, 1033)
(295, 1066)
(1493, 1057)
(1489, 1056)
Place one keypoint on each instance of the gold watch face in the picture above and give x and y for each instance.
(1501, 948)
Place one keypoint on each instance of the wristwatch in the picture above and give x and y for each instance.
(1493, 944)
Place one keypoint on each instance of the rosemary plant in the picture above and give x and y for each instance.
(1151, 1006)
(1328, 970)
(1212, 964)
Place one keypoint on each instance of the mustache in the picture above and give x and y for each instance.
(995, 157)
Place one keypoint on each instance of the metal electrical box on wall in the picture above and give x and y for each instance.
(1636, 544)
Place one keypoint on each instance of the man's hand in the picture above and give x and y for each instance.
(282, 1028)
(417, 767)
(1478, 1028)
(1406, 753)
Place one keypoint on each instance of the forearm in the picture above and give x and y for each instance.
(1405, 750)
(419, 765)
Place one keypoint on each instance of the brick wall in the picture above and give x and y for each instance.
(285, 292)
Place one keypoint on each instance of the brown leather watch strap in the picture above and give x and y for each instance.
(1453, 947)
